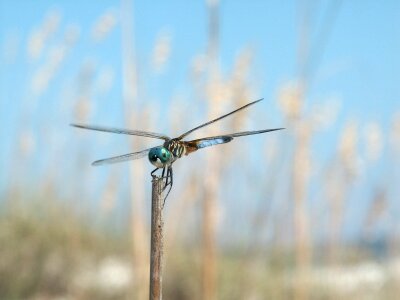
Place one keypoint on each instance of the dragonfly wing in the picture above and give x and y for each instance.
(123, 131)
(121, 158)
(194, 145)
(217, 119)
(238, 134)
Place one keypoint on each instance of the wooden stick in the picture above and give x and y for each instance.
(156, 250)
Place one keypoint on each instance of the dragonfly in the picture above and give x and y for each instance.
(163, 156)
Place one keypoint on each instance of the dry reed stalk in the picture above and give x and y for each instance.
(308, 59)
(334, 193)
(301, 166)
(345, 171)
(240, 91)
(301, 158)
(394, 150)
(139, 228)
(130, 90)
(291, 101)
(157, 240)
(209, 262)
(212, 166)
(339, 176)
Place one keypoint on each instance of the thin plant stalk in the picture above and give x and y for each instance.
(156, 247)
(130, 103)
(209, 251)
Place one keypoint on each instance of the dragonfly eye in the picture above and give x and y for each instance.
(159, 156)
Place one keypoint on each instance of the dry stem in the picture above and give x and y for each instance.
(156, 251)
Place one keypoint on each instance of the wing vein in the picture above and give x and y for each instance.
(217, 119)
(222, 139)
(123, 131)
(121, 158)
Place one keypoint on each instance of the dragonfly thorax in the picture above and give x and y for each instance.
(160, 156)
(176, 147)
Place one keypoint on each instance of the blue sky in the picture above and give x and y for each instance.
(360, 62)
(359, 66)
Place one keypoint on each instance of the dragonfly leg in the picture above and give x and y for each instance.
(163, 172)
(165, 177)
(170, 183)
(152, 172)
(171, 179)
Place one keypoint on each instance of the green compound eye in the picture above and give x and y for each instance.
(159, 156)
(165, 155)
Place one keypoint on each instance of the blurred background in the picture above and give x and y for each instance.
(311, 212)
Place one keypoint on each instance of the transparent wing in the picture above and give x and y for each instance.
(243, 133)
(124, 131)
(222, 139)
(217, 119)
(121, 158)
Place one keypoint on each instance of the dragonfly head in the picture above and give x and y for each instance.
(159, 156)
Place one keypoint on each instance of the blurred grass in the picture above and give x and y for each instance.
(43, 246)
(51, 251)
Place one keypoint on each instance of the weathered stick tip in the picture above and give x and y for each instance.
(155, 177)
